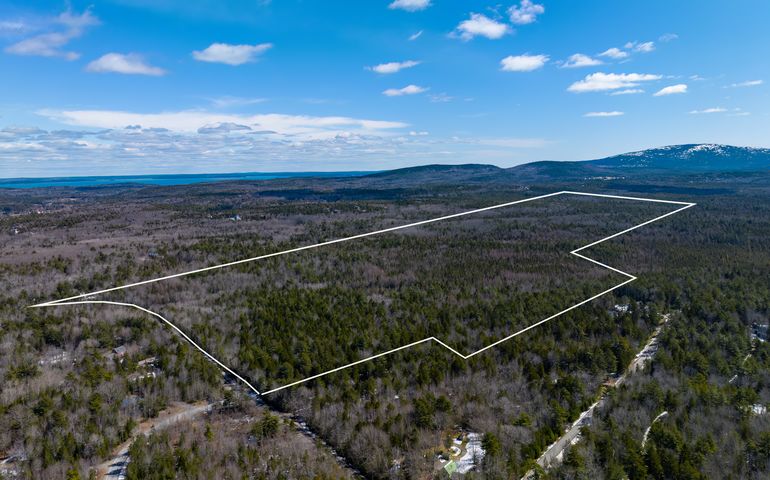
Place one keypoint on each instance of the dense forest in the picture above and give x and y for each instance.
(79, 381)
(710, 377)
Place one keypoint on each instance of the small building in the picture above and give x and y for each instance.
(120, 351)
(759, 331)
(136, 377)
(147, 362)
(10, 466)
(621, 308)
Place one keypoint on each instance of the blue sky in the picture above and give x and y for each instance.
(166, 86)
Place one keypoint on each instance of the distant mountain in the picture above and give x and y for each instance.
(704, 157)
(670, 160)
(661, 161)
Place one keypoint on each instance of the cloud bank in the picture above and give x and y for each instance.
(122, 142)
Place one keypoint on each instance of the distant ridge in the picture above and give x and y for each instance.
(669, 160)
(437, 174)
(440, 168)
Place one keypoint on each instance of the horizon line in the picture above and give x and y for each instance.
(310, 173)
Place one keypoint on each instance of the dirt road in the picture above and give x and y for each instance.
(115, 468)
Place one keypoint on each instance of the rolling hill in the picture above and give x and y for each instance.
(663, 161)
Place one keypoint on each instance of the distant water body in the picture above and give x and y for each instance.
(163, 179)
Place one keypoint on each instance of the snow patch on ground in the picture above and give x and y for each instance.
(474, 453)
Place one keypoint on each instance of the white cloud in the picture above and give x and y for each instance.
(628, 91)
(231, 54)
(481, 25)
(190, 121)
(523, 63)
(668, 37)
(526, 12)
(14, 132)
(580, 60)
(130, 64)
(223, 127)
(408, 90)
(441, 98)
(615, 53)
(409, 5)
(45, 45)
(393, 67)
(708, 110)
(671, 90)
(603, 114)
(597, 82)
(75, 21)
(415, 36)
(13, 26)
(232, 148)
(227, 101)
(643, 47)
(748, 83)
(50, 44)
